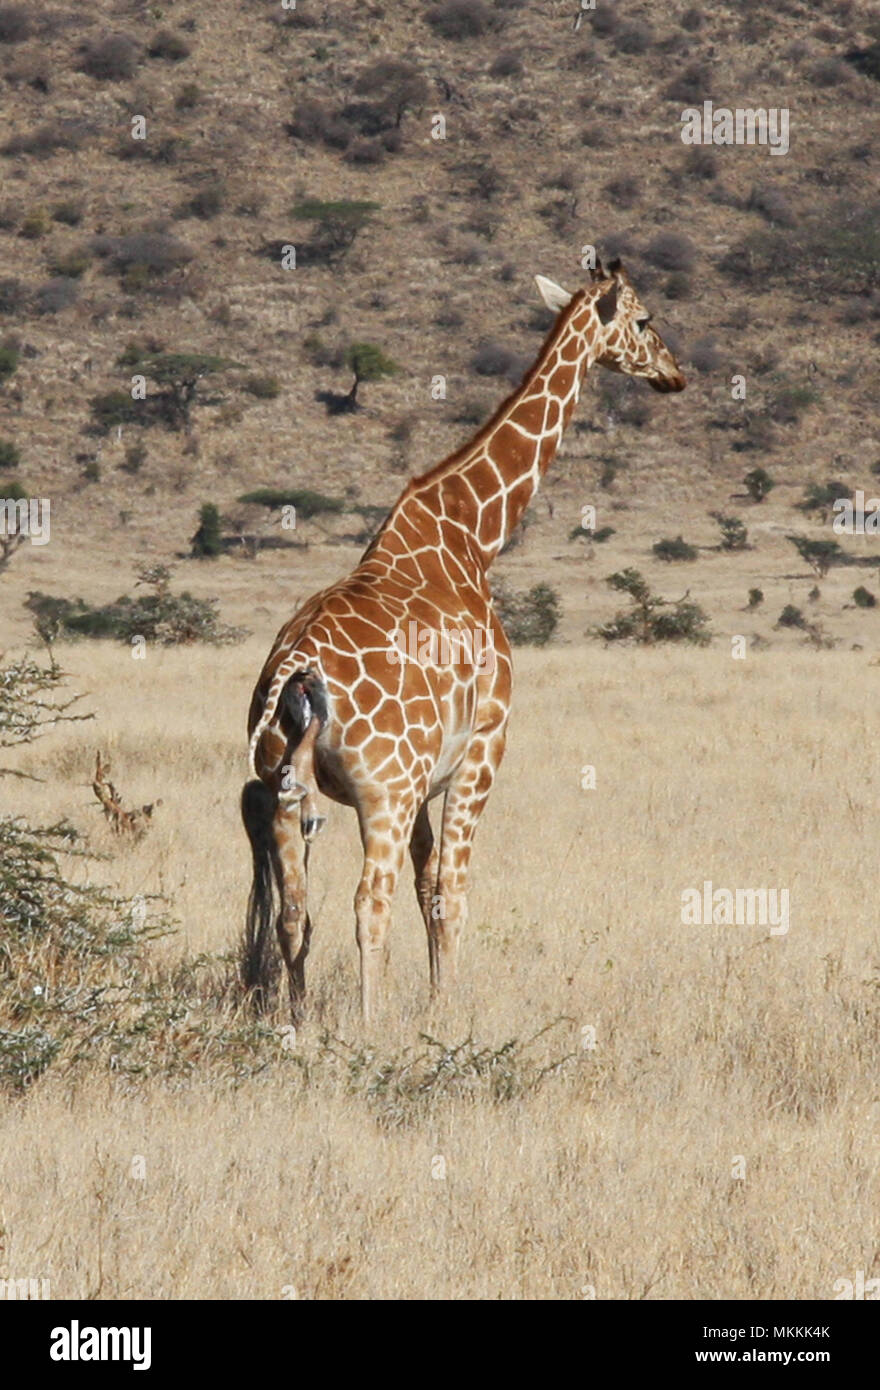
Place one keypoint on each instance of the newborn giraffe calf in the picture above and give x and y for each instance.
(345, 708)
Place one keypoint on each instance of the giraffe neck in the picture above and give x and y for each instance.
(480, 493)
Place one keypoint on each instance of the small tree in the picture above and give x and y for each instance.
(368, 363)
(758, 483)
(338, 224)
(819, 555)
(179, 373)
(734, 535)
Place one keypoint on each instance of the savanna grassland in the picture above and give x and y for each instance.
(615, 1104)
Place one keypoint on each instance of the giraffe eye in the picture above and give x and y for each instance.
(642, 324)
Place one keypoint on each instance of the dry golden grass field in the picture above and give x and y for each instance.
(615, 1104)
(719, 1140)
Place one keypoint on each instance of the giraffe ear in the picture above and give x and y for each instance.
(553, 295)
(606, 303)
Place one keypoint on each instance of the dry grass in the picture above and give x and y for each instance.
(320, 1167)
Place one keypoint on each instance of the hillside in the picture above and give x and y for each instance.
(555, 138)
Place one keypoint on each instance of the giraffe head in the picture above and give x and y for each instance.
(624, 339)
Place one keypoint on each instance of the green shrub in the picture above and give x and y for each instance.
(758, 483)
(863, 598)
(207, 542)
(529, 618)
(159, 616)
(791, 617)
(265, 388)
(652, 619)
(672, 550)
(756, 598)
(734, 533)
(10, 454)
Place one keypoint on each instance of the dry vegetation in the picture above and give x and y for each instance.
(156, 1141)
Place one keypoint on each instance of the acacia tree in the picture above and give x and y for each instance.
(179, 374)
(368, 363)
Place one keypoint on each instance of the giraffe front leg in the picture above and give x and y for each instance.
(293, 926)
(384, 841)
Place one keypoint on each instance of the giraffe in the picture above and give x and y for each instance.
(343, 706)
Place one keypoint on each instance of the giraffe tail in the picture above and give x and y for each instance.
(259, 965)
(305, 699)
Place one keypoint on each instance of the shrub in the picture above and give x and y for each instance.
(734, 534)
(529, 618)
(624, 189)
(168, 45)
(670, 251)
(13, 297)
(863, 598)
(71, 266)
(758, 483)
(46, 139)
(135, 457)
(111, 59)
(159, 616)
(10, 454)
(678, 286)
(788, 403)
(791, 617)
(15, 23)
(206, 203)
(460, 19)
(397, 83)
(820, 497)
(57, 294)
(866, 60)
(35, 225)
(672, 550)
(756, 598)
(691, 86)
(9, 357)
(704, 355)
(828, 72)
(491, 359)
(113, 408)
(634, 38)
(508, 63)
(207, 542)
(772, 204)
(265, 388)
(653, 619)
(156, 252)
(188, 97)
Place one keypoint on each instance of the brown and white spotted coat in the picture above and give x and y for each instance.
(383, 735)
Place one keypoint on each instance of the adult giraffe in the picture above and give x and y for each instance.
(343, 707)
